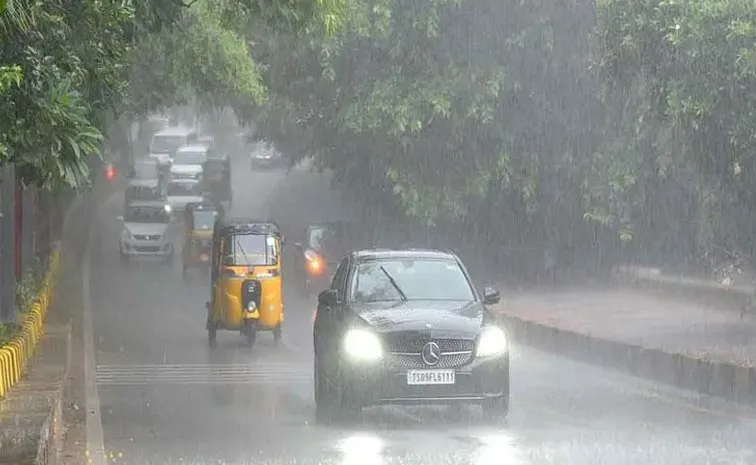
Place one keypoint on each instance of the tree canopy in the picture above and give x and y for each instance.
(70, 67)
(623, 125)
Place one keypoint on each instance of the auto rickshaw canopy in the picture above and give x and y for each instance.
(202, 215)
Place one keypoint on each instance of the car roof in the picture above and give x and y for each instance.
(174, 131)
(193, 148)
(138, 182)
(204, 205)
(147, 203)
(388, 254)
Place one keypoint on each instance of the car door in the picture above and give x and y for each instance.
(327, 319)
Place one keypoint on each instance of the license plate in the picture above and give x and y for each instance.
(204, 257)
(426, 377)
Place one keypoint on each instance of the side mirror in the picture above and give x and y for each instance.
(328, 298)
(491, 296)
(119, 218)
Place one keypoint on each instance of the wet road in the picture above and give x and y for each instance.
(166, 398)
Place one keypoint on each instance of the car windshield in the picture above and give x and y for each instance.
(142, 214)
(204, 219)
(322, 238)
(166, 143)
(190, 158)
(142, 193)
(410, 279)
(184, 189)
(251, 250)
(146, 170)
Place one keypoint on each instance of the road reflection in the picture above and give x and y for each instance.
(361, 449)
(498, 449)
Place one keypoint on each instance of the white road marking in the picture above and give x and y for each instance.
(95, 436)
(271, 374)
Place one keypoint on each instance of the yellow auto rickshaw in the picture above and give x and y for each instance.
(245, 279)
(199, 221)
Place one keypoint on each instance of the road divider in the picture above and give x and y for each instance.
(727, 380)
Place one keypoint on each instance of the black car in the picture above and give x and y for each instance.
(407, 327)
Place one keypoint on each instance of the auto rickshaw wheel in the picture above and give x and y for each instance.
(250, 332)
(212, 333)
(277, 333)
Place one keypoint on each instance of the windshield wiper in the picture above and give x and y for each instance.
(238, 244)
(393, 283)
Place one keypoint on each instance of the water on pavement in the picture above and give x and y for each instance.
(166, 398)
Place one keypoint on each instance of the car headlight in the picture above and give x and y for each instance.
(361, 344)
(492, 341)
(168, 208)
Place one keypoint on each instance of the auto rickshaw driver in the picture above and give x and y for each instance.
(246, 284)
(199, 221)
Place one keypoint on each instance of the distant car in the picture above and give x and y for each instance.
(188, 161)
(143, 189)
(166, 141)
(183, 191)
(407, 327)
(145, 232)
(264, 155)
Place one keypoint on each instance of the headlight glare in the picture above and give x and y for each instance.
(492, 342)
(361, 344)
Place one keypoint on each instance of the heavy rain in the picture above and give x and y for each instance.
(363, 232)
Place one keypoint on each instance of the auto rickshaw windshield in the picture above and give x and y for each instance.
(252, 250)
(142, 214)
(204, 219)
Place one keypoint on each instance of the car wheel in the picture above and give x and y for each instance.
(324, 394)
(496, 410)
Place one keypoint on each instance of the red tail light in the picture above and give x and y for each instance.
(110, 172)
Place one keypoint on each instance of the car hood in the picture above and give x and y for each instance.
(147, 229)
(429, 317)
(186, 169)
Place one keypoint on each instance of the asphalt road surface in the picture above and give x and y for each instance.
(166, 398)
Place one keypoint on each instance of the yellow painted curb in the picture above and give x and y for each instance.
(15, 355)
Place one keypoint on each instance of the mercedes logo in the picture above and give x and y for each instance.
(431, 353)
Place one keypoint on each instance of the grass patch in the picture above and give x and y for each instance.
(27, 290)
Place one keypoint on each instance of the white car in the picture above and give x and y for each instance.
(183, 191)
(165, 143)
(264, 155)
(188, 162)
(146, 230)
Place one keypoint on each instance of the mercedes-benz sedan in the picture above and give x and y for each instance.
(407, 327)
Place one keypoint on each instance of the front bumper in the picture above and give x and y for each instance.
(135, 248)
(384, 383)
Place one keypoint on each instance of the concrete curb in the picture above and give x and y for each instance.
(15, 355)
(729, 381)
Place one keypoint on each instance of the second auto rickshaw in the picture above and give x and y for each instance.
(199, 221)
(245, 279)
(216, 179)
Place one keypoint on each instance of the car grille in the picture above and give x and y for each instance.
(143, 237)
(147, 248)
(406, 353)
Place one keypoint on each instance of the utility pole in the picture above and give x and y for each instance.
(7, 245)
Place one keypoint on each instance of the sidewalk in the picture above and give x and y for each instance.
(703, 343)
(698, 329)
